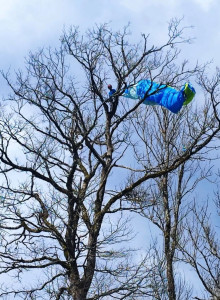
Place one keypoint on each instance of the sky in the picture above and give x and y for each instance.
(27, 25)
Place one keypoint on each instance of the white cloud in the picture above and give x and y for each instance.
(26, 25)
(205, 5)
(143, 5)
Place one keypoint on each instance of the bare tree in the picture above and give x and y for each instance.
(72, 169)
(170, 193)
(200, 246)
(200, 249)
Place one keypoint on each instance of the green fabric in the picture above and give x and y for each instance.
(189, 94)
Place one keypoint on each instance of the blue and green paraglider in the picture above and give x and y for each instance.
(159, 94)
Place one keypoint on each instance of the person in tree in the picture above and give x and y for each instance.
(111, 90)
(113, 100)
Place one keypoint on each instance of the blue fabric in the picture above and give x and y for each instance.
(157, 94)
(111, 92)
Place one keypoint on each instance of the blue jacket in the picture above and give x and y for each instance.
(111, 92)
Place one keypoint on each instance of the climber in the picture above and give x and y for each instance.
(112, 100)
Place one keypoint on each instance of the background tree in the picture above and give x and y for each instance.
(185, 225)
(200, 249)
(72, 169)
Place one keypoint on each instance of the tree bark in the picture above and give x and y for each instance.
(167, 241)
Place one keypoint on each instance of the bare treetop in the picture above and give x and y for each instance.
(74, 159)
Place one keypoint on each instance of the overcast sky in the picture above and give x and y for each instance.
(29, 24)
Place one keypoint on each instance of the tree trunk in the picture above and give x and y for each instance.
(170, 279)
(79, 295)
(78, 291)
(167, 241)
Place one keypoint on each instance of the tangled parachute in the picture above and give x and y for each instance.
(157, 94)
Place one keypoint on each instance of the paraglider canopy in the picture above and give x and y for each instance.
(161, 94)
